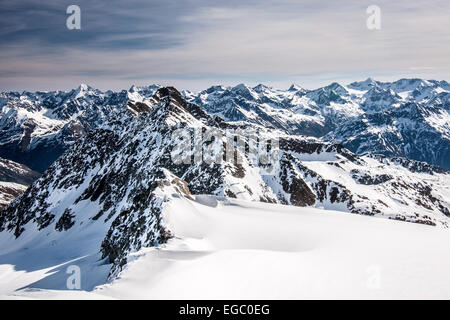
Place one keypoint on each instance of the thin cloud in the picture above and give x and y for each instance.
(196, 43)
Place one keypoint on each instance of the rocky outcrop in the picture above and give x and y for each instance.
(14, 180)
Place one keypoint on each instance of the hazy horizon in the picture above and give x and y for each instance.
(252, 85)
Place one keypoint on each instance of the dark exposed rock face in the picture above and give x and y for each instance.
(138, 107)
(17, 173)
(14, 180)
(367, 179)
(293, 184)
(65, 222)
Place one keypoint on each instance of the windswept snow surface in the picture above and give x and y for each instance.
(234, 249)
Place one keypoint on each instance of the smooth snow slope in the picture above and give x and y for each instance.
(233, 249)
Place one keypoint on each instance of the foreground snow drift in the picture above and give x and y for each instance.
(234, 249)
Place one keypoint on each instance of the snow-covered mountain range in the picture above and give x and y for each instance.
(115, 185)
(37, 127)
(406, 118)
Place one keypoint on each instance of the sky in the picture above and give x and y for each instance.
(193, 44)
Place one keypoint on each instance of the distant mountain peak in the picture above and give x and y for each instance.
(364, 85)
(295, 87)
(136, 88)
(261, 88)
(215, 88)
(241, 87)
(84, 87)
